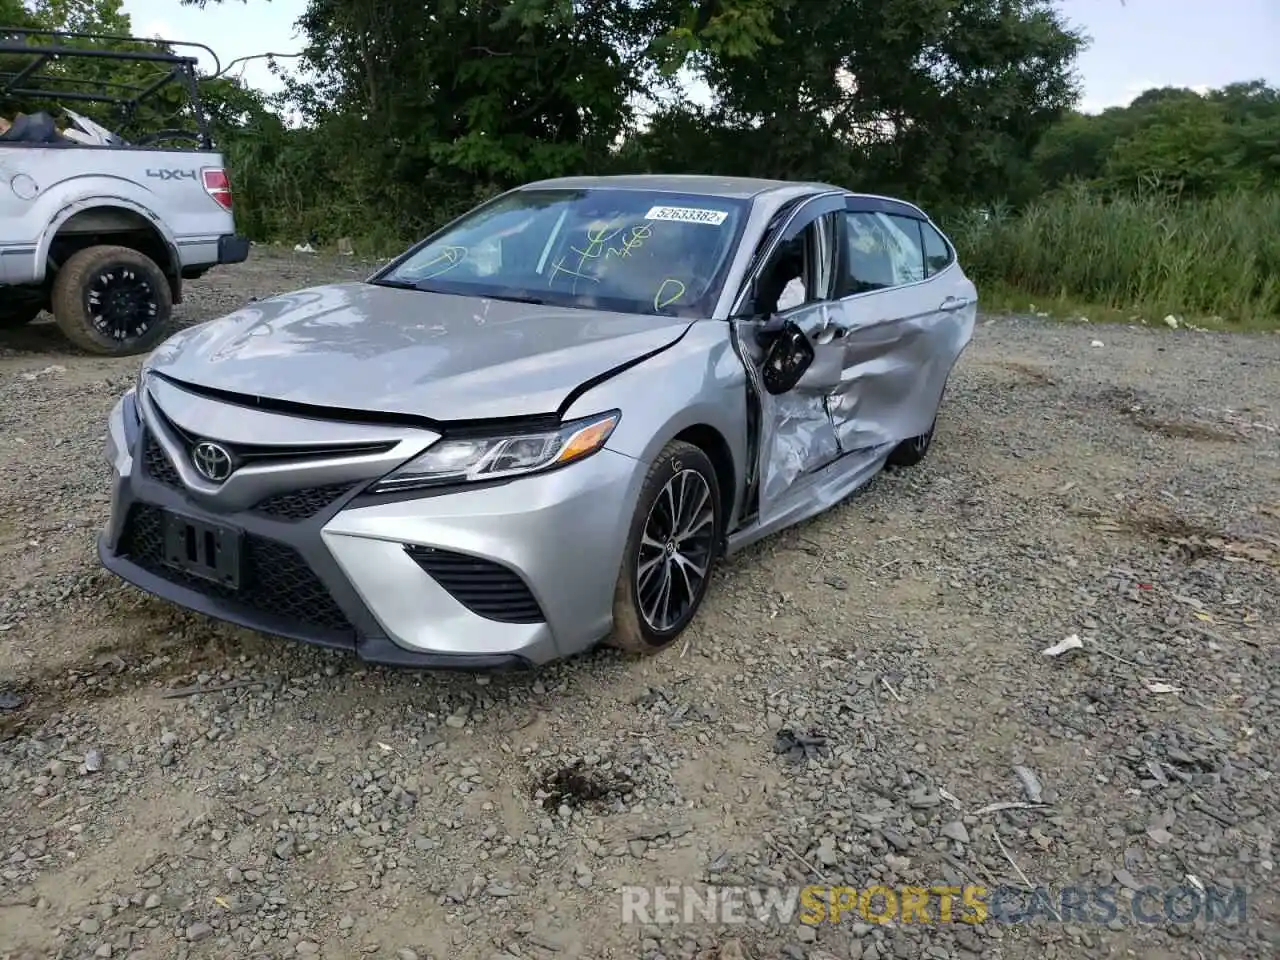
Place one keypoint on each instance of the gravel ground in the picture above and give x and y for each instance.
(1127, 493)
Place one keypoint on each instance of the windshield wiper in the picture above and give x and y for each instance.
(426, 286)
(518, 298)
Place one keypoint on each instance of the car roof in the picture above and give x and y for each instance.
(769, 194)
(739, 188)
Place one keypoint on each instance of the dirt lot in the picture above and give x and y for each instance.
(1128, 493)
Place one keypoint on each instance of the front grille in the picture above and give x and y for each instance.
(157, 463)
(487, 589)
(291, 505)
(243, 453)
(301, 504)
(274, 579)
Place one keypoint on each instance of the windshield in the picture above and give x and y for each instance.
(632, 251)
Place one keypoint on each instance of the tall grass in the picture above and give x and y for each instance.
(1149, 255)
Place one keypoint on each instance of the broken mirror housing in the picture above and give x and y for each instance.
(788, 357)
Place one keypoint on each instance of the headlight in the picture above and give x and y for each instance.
(467, 460)
(133, 407)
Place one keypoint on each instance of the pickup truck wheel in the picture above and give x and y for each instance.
(112, 301)
(17, 315)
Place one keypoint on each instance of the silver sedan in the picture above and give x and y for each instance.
(542, 426)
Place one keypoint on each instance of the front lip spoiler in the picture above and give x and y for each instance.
(373, 650)
(381, 651)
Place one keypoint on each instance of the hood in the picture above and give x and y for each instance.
(360, 347)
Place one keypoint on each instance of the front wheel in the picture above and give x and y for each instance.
(112, 301)
(671, 550)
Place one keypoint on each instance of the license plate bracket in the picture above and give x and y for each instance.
(206, 550)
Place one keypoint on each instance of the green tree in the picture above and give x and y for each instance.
(490, 93)
(1076, 147)
(1181, 146)
(1170, 138)
(933, 98)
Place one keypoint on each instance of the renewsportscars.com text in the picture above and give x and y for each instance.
(970, 904)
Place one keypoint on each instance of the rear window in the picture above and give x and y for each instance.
(633, 251)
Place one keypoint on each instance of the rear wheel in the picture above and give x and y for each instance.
(671, 551)
(912, 450)
(18, 314)
(112, 301)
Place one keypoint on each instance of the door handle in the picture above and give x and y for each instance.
(954, 303)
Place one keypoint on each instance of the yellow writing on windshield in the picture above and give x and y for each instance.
(444, 261)
(599, 239)
(604, 242)
(558, 268)
(669, 291)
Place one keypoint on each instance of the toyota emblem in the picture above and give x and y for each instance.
(211, 461)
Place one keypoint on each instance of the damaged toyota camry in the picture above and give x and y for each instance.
(544, 425)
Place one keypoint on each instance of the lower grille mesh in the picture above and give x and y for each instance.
(157, 463)
(487, 589)
(274, 580)
(301, 504)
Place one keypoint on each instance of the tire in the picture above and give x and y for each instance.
(911, 451)
(636, 629)
(18, 315)
(138, 304)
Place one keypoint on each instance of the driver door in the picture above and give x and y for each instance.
(795, 432)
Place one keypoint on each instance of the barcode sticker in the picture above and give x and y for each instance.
(687, 215)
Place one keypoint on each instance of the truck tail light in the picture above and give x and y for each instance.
(217, 185)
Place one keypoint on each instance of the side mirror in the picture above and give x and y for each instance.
(787, 359)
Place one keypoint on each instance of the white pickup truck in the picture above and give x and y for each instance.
(100, 232)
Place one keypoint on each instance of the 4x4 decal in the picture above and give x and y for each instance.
(172, 174)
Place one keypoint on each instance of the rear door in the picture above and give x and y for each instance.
(905, 311)
(796, 434)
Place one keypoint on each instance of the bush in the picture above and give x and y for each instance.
(1151, 254)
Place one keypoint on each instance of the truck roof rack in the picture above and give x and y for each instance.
(26, 82)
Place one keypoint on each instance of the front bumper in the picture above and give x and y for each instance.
(510, 575)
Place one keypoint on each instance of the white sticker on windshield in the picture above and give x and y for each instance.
(687, 215)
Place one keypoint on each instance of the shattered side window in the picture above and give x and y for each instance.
(904, 243)
(882, 251)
